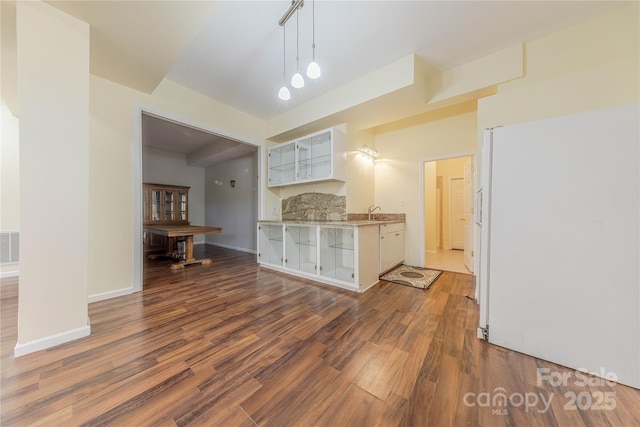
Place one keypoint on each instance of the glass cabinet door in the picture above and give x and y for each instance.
(282, 164)
(182, 206)
(270, 243)
(301, 247)
(314, 156)
(337, 259)
(156, 207)
(168, 205)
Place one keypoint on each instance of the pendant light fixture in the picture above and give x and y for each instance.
(284, 93)
(297, 81)
(313, 70)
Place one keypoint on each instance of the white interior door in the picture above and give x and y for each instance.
(468, 216)
(457, 216)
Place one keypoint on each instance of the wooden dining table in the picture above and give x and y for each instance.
(187, 231)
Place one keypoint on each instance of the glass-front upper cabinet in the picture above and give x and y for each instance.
(165, 204)
(282, 164)
(337, 253)
(317, 157)
(314, 156)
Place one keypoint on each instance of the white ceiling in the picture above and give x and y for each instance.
(200, 148)
(237, 57)
(232, 51)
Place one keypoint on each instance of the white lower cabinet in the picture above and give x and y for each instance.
(270, 243)
(337, 253)
(391, 246)
(343, 256)
(301, 248)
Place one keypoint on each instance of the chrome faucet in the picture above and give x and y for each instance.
(371, 210)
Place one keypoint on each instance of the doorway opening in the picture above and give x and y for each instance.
(448, 218)
(221, 171)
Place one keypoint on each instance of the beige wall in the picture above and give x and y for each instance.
(9, 179)
(111, 159)
(54, 175)
(398, 174)
(9, 137)
(360, 172)
(588, 66)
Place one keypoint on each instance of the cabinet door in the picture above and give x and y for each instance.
(314, 157)
(395, 247)
(337, 259)
(282, 165)
(156, 204)
(301, 248)
(270, 248)
(384, 252)
(169, 205)
(182, 206)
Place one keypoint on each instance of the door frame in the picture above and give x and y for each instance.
(137, 111)
(451, 179)
(473, 155)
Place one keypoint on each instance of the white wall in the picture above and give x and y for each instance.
(233, 208)
(167, 167)
(54, 176)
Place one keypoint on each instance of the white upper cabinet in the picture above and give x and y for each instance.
(317, 157)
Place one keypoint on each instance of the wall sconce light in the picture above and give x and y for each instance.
(369, 153)
(233, 183)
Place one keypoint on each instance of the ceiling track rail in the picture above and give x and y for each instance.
(295, 5)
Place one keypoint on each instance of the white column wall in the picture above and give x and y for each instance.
(54, 176)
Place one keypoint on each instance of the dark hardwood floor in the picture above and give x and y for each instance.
(233, 344)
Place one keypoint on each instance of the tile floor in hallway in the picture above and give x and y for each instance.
(447, 260)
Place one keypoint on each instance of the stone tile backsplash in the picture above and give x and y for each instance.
(314, 207)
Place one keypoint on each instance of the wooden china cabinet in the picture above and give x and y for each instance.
(163, 205)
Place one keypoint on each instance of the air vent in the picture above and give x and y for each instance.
(9, 247)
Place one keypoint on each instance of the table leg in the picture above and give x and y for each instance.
(189, 259)
(188, 243)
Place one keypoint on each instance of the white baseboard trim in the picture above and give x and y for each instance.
(51, 341)
(13, 273)
(110, 294)
(235, 248)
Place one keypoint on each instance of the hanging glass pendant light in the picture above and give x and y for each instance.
(313, 70)
(284, 93)
(297, 81)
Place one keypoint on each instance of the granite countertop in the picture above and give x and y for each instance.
(354, 220)
(352, 223)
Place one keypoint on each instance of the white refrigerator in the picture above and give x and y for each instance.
(560, 236)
